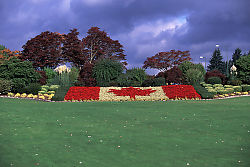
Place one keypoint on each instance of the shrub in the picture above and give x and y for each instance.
(245, 88)
(154, 82)
(149, 82)
(222, 91)
(73, 75)
(194, 76)
(229, 90)
(228, 86)
(20, 72)
(243, 68)
(85, 76)
(44, 89)
(215, 73)
(217, 85)
(219, 88)
(236, 82)
(123, 80)
(33, 88)
(174, 75)
(159, 81)
(207, 85)
(214, 80)
(50, 73)
(62, 79)
(203, 92)
(60, 93)
(43, 78)
(185, 66)
(237, 89)
(106, 70)
(136, 76)
(18, 85)
(5, 86)
(53, 87)
(212, 90)
(188, 76)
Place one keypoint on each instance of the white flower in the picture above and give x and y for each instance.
(233, 68)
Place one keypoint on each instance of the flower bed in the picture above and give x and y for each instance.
(132, 93)
(180, 91)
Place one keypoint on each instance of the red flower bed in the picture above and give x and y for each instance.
(131, 92)
(83, 93)
(180, 91)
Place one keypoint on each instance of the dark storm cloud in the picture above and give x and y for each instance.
(142, 27)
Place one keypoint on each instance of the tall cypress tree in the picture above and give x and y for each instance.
(236, 55)
(216, 62)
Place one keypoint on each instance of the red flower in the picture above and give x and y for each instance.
(83, 93)
(180, 91)
(131, 92)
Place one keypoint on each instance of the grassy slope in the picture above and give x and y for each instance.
(150, 134)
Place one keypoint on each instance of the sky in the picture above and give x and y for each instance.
(143, 27)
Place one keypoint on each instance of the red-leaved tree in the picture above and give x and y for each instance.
(99, 45)
(44, 50)
(72, 49)
(164, 60)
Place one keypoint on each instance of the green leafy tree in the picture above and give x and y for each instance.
(243, 70)
(137, 76)
(21, 73)
(194, 76)
(106, 70)
(192, 73)
(216, 62)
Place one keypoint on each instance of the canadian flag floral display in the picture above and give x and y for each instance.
(132, 93)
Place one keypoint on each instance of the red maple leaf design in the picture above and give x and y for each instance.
(131, 92)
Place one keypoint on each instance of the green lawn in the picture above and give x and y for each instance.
(214, 133)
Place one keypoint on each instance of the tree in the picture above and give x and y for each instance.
(194, 76)
(7, 54)
(44, 50)
(72, 49)
(236, 55)
(21, 73)
(99, 45)
(137, 76)
(174, 75)
(85, 76)
(216, 62)
(165, 60)
(243, 69)
(106, 70)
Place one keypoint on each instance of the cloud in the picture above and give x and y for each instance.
(143, 27)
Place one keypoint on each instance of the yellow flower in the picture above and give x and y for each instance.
(17, 95)
(30, 95)
(41, 97)
(35, 96)
(10, 94)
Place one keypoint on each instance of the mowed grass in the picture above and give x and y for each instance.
(214, 133)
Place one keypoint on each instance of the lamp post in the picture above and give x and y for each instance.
(203, 57)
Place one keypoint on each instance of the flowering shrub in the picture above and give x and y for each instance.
(132, 93)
